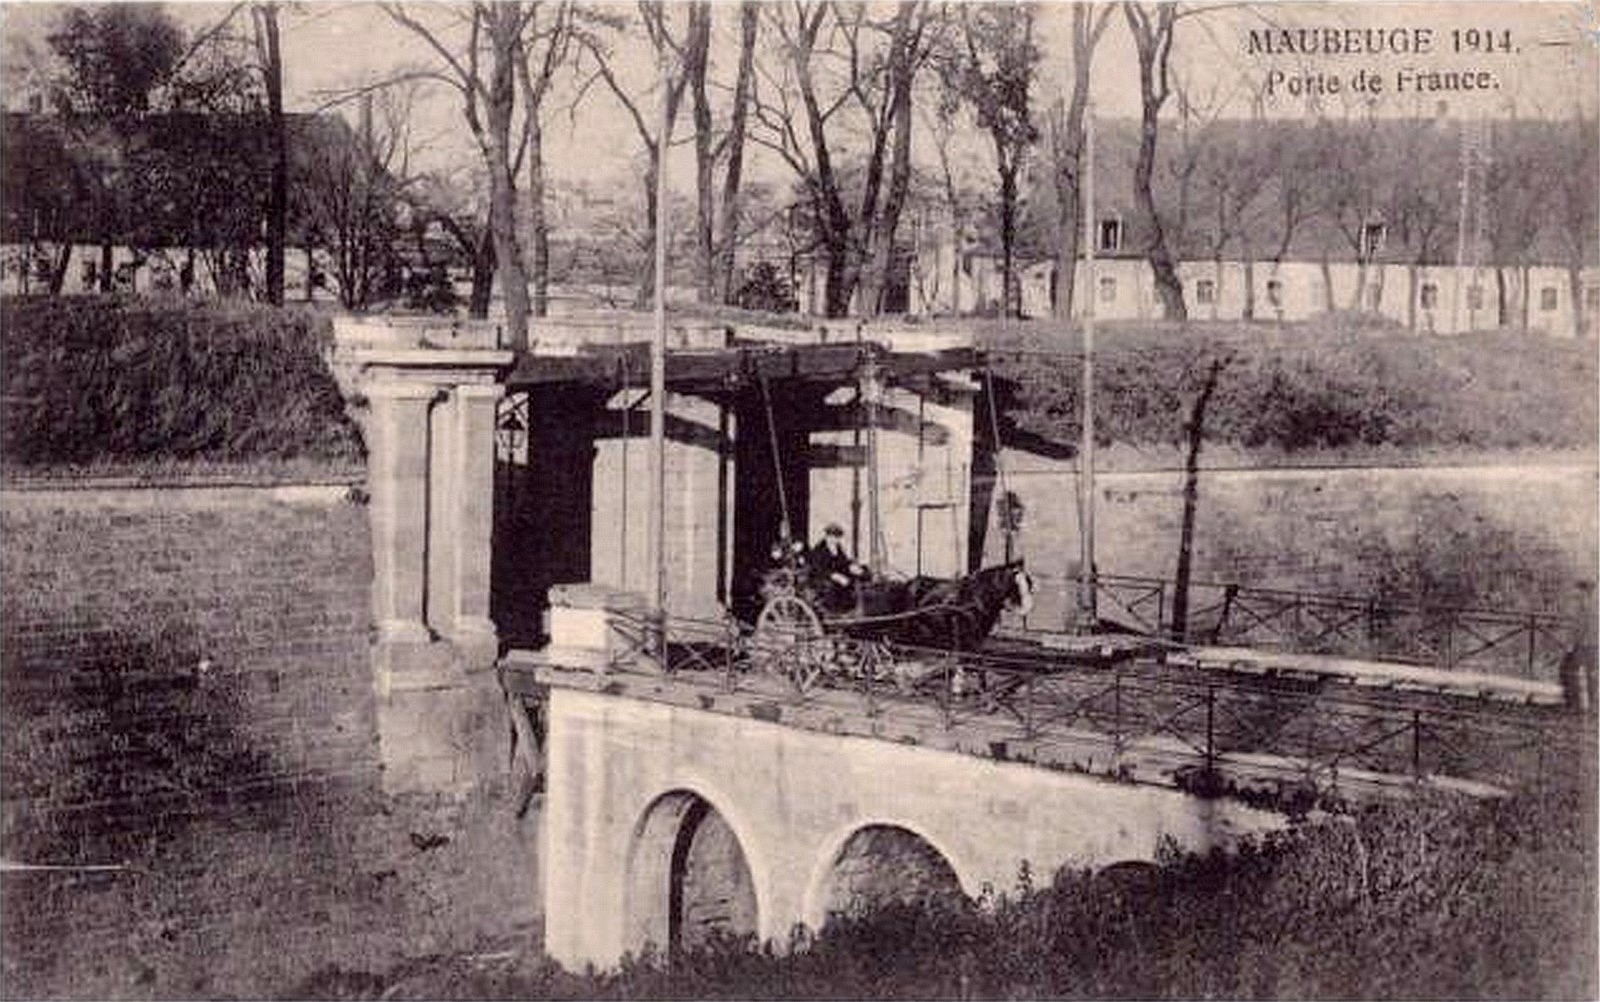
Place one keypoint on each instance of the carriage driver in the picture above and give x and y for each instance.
(834, 572)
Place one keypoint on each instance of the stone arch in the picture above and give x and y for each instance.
(881, 863)
(688, 876)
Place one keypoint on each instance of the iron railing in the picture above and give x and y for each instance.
(1308, 731)
(1522, 644)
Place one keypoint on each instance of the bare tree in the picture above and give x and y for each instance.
(270, 55)
(993, 71)
(1420, 210)
(1066, 150)
(1576, 194)
(733, 145)
(349, 189)
(1230, 175)
(654, 18)
(484, 49)
(1152, 26)
(837, 59)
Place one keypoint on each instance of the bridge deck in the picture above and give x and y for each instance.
(1364, 673)
(1224, 719)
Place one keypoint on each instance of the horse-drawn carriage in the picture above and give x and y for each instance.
(877, 629)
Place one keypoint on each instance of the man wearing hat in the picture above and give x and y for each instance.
(834, 572)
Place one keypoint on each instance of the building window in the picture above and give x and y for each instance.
(1108, 290)
(1110, 236)
(1591, 298)
(1547, 298)
(1430, 296)
(1274, 292)
(1205, 291)
(1372, 238)
(1474, 297)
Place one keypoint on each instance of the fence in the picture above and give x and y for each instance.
(1308, 731)
(1524, 644)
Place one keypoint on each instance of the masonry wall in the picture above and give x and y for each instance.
(1513, 537)
(186, 697)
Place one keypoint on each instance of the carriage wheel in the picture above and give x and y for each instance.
(788, 640)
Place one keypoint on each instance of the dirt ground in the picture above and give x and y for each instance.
(338, 894)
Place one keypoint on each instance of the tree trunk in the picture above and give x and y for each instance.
(1527, 298)
(1249, 289)
(1191, 503)
(749, 19)
(483, 270)
(902, 71)
(646, 289)
(1168, 287)
(1152, 32)
(1008, 239)
(58, 272)
(1502, 313)
(538, 223)
(496, 142)
(1412, 293)
(278, 195)
(1327, 285)
(696, 52)
(1580, 324)
(105, 264)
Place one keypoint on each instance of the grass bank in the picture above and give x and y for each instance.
(1332, 388)
(129, 386)
(1442, 899)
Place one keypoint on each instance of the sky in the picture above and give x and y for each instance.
(1549, 70)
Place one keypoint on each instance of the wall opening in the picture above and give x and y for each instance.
(881, 866)
(688, 880)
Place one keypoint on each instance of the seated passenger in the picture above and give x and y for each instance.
(834, 573)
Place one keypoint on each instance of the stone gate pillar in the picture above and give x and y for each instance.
(429, 427)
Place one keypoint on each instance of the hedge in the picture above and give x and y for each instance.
(105, 381)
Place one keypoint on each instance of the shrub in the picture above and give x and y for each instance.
(102, 380)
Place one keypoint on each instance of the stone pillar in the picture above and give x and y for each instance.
(466, 513)
(430, 443)
(397, 443)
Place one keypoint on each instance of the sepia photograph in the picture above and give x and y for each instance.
(828, 499)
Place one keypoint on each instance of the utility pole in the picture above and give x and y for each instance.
(1087, 613)
(658, 376)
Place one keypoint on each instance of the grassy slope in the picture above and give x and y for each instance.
(1307, 389)
(1444, 899)
(111, 385)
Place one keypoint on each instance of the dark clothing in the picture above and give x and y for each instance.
(832, 578)
(824, 562)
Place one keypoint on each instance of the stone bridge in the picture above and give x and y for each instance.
(666, 821)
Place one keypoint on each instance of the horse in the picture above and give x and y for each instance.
(955, 614)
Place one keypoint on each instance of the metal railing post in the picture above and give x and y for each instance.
(1416, 744)
(1027, 722)
(1116, 706)
(1211, 737)
(1533, 641)
(947, 689)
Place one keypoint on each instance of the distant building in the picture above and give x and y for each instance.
(1280, 221)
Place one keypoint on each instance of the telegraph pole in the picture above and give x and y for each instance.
(658, 376)
(1087, 613)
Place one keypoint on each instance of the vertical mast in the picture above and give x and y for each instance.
(658, 362)
(1087, 613)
